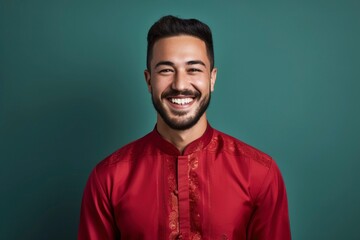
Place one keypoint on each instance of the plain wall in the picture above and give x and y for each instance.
(72, 91)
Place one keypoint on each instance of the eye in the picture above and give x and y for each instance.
(193, 70)
(165, 71)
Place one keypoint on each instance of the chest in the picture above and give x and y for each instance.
(195, 196)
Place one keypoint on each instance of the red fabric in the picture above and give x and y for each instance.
(219, 188)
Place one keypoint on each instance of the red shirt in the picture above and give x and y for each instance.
(219, 188)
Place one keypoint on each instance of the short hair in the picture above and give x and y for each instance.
(169, 26)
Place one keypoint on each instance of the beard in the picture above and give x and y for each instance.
(186, 122)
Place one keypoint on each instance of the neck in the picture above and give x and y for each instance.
(181, 138)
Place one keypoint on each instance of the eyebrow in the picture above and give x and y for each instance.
(196, 62)
(168, 63)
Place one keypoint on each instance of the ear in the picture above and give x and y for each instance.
(213, 79)
(147, 76)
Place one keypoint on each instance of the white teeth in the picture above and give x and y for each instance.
(181, 101)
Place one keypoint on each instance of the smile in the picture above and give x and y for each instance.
(181, 101)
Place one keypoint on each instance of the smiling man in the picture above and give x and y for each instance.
(185, 179)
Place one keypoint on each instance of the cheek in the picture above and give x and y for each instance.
(203, 84)
(158, 86)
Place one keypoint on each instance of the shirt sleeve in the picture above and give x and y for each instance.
(96, 216)
(270, 219)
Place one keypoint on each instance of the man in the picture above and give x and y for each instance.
(184, 180)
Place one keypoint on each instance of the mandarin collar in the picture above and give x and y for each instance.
(194, 146)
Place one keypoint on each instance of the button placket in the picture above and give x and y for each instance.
(183, 195)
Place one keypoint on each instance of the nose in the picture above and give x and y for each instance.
(180, 81)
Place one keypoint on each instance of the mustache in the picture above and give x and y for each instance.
(186, 92)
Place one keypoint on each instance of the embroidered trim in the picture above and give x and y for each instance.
(194, 197)
(213, 144)
(173, 201)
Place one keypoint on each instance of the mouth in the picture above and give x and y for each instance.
(181, 101)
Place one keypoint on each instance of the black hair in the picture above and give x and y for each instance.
(169, 26)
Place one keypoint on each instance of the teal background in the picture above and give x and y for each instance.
(72, 91)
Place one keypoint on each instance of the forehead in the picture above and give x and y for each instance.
(179, 48)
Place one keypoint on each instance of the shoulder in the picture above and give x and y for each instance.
(128, 152)
(233, 146)
(258, 167)
(114, 171)
(119, 162)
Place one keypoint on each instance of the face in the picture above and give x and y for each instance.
(180, 80)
